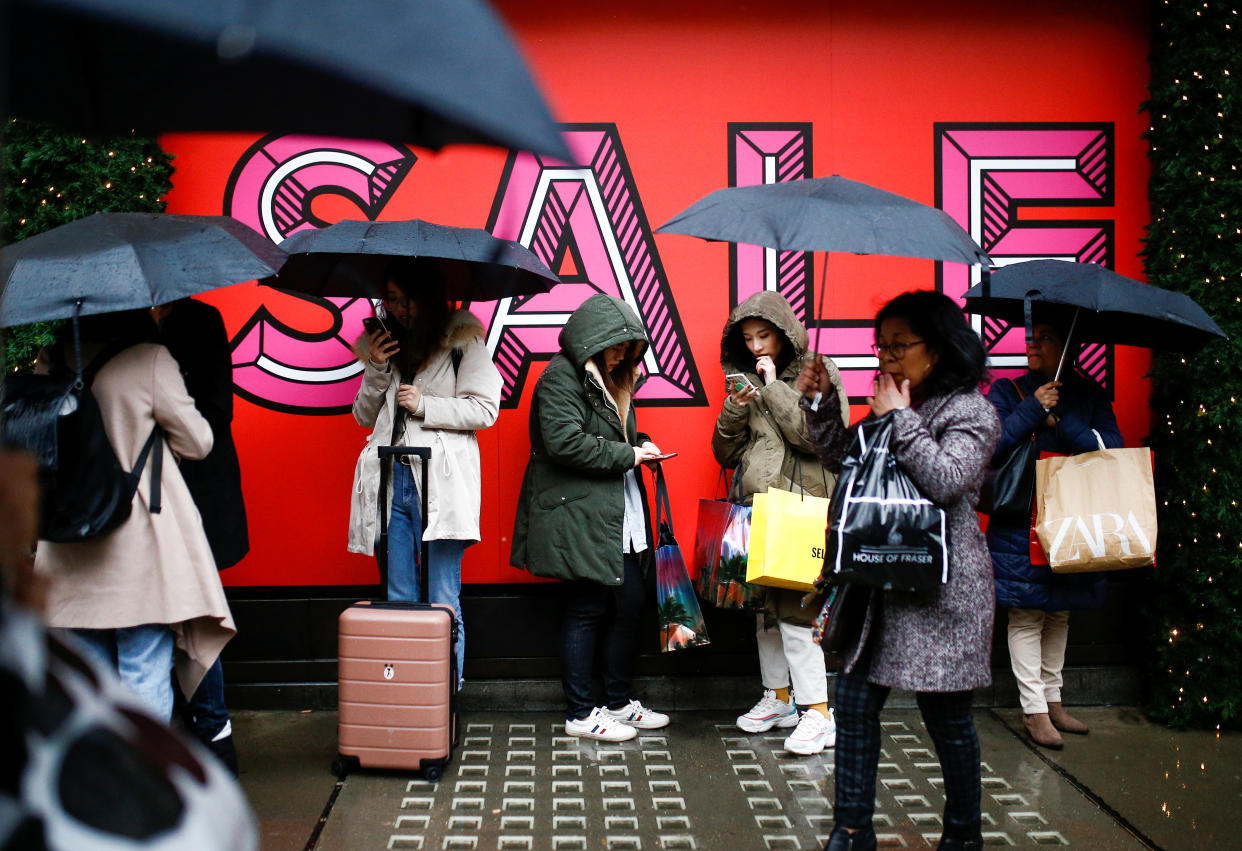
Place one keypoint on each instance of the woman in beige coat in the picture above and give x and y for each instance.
(146, 596)
(761, 433)
(440, 385)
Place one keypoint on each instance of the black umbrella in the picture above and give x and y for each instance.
(429, 72)
(1102, 306)
(120, 261)
(827, 214)
(351, 259)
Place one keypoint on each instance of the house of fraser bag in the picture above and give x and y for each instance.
(1096, 511)
(882, 531)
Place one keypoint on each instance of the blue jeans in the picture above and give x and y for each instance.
(206, 708)
(405, 543)
(594, 612)
(142, 655)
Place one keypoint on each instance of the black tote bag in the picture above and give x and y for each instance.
(881, 531)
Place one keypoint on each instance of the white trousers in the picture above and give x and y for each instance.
(1037, 653)
(789, 657)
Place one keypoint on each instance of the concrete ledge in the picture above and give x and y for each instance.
(1087, 685)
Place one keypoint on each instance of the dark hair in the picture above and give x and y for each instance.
(1060, 323)
(129, 326)
(736, 352)
(621, 377)
(961, 363)
(422, 282)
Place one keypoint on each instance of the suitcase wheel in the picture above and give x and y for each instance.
(433, 773)
(343, 764)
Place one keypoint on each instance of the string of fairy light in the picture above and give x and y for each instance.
(1194, 114)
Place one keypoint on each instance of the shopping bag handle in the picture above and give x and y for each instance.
(797, 471)
(664, 512)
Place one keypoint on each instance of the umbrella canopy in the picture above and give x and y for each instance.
(351, 258)
(827, 214)
(1111, 308)
(429, 72)
(122, 261)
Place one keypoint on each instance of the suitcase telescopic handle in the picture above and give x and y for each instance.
(385, 454)
(423, 452)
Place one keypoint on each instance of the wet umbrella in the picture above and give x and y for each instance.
(120, 261)
(351, 258)
(1100, 305)
(429, 72)
(827, 214)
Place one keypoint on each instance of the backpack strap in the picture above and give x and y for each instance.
(157, 467)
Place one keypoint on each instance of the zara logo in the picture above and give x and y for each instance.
(389, 673)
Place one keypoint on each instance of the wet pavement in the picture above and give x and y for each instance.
(517, 782)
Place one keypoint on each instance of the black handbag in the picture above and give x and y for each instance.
(844, 614)
(1009, 487)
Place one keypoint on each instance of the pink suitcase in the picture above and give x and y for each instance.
(397, 669)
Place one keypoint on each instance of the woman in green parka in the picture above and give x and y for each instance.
(761, 433)
(582, 513)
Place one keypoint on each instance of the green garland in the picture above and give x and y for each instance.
(52, 177)
(1194, 245)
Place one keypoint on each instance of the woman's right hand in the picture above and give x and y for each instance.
(814, 379)
(1048, 395)
(381, 347)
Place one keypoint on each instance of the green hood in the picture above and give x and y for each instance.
(599, 322)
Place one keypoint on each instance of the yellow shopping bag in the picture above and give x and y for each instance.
(786, 539)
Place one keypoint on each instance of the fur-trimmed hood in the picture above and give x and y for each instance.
(771, 307)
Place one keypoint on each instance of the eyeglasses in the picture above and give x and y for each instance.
(897, 350)
(1043, 340)
(401, 302)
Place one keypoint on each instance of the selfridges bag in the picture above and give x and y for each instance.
(786, 539)
(881, 531)
(1096, 511)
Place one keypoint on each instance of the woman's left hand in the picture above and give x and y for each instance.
(408, 397)
(888, 395)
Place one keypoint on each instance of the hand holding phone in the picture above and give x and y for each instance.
(737, 382)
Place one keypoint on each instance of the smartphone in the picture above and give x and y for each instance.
(733, 379)
(373, 324)
(665, 456)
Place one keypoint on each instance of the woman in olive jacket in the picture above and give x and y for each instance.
(582, 511)
(761, 433)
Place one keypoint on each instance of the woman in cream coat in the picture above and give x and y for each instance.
(448, 398)
(145, 596)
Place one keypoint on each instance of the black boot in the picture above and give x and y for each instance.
(862, 839)
(948, 843)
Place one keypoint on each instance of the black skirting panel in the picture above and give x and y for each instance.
(287, 637)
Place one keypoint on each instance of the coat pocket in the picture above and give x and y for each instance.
(562, 495)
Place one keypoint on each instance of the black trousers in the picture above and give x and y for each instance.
(601, 622)
(952, 728)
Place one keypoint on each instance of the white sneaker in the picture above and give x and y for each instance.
(814, 733)
(599, 725)
(769, 712)
(634, 714)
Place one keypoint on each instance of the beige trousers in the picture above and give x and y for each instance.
(1037, 653)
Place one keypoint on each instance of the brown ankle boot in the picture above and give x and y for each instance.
(1065, 722)
(1042, 732)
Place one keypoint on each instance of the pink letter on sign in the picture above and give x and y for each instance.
(271, 189)
(770, 153)
(587, 224)
(985, 172)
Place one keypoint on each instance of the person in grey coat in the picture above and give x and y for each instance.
(936, 644)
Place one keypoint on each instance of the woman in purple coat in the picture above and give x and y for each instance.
(936, 644)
